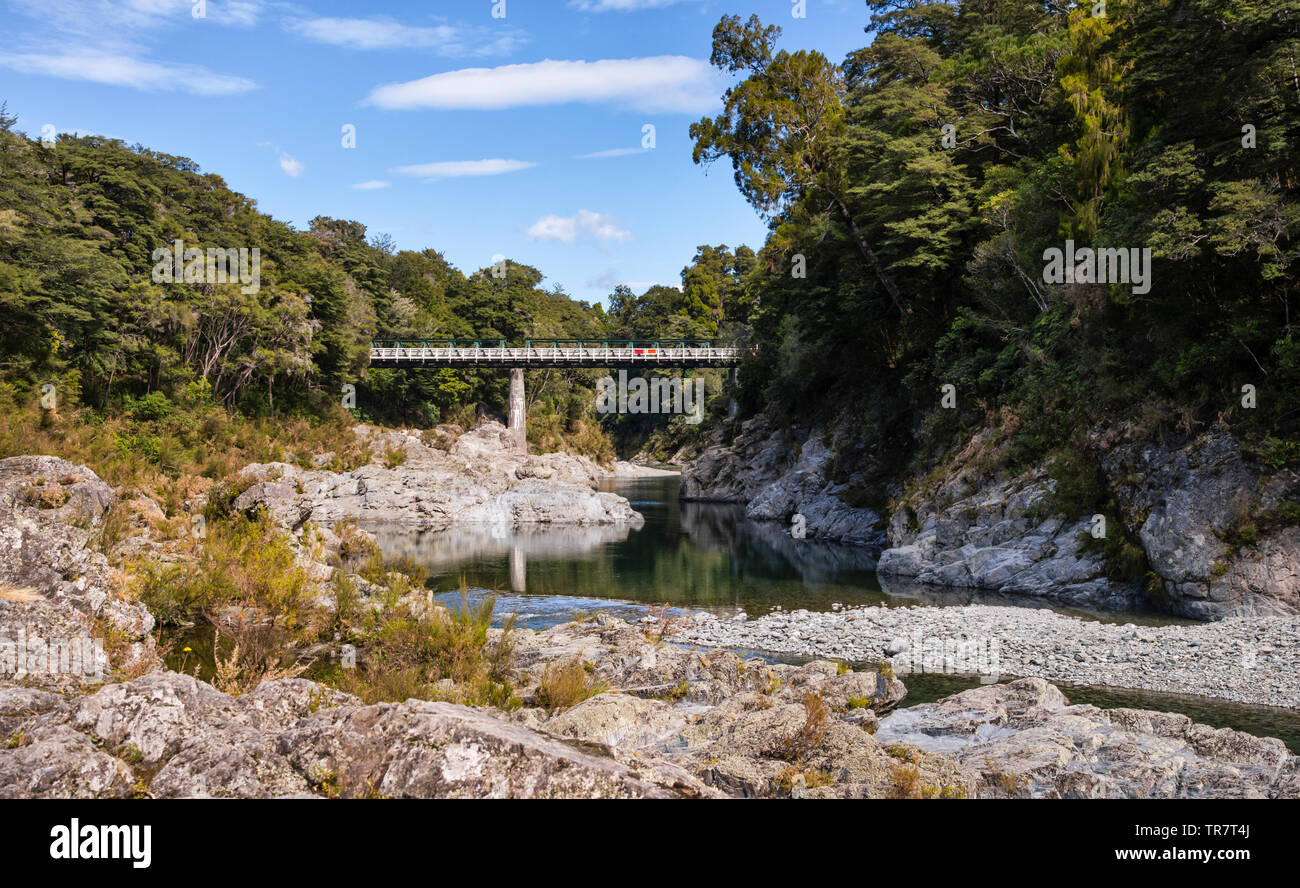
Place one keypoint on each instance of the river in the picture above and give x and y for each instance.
(709, 556)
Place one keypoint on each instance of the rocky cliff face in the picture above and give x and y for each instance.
(60, 600)
(1220, 534)
(778, 477)
(480, 478)
(992, 538)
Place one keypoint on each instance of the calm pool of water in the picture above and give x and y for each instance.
(694, 555)
(708, 556)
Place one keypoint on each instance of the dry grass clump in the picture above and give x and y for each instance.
(566, 684)
(802, 744)
(433, 653)
(10, 592)
(244, 668)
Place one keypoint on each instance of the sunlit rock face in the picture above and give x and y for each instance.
(480, 478)
(1219, 529)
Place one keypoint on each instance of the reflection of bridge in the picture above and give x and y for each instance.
(440, 548)
(540, 353)
(555, 353)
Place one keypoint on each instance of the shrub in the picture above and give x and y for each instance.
(153, 406)
(566, 684)
(394, 457)
(417, 654)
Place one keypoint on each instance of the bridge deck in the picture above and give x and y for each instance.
(563, 356)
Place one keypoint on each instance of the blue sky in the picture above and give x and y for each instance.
(475, 135)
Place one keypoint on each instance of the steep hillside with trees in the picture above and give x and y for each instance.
(920, 182)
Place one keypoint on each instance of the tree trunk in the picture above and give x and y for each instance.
(871, 256)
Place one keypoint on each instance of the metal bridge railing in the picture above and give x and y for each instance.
(515, 356)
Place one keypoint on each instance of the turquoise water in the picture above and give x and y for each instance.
(694, 555)
(708, 556)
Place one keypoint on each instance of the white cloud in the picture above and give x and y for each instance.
(385, 33)
(611, 152)
(290, 165)
(120, 70)
(652, 84)
(102, 18)
(450, 169)
(608, 280)
(372, 185)
(240, 12)
(619, 5)
(567, 229)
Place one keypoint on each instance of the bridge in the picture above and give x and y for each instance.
(554, 353)
(539, 353)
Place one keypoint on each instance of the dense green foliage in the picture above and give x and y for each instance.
(81, 217)
(912, 190)
(922, 179)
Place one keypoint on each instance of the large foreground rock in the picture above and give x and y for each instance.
(669, 722)
(169, 735)
(63, 622)
(1025, 739)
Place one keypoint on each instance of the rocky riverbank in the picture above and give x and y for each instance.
(594, 708)
(1204, 530)
(437, 480)
(666, 722)
(777, 476)
(1252, 660)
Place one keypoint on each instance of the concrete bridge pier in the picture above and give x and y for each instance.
(518, 570)
(516, 413)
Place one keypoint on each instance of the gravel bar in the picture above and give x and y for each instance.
(1253, 660)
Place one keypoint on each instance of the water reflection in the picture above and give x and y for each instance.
(769, 546)
(451, 550)
(702, 555)
(692, 555)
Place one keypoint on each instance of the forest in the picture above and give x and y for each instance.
(913, 191)
(923, 183)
